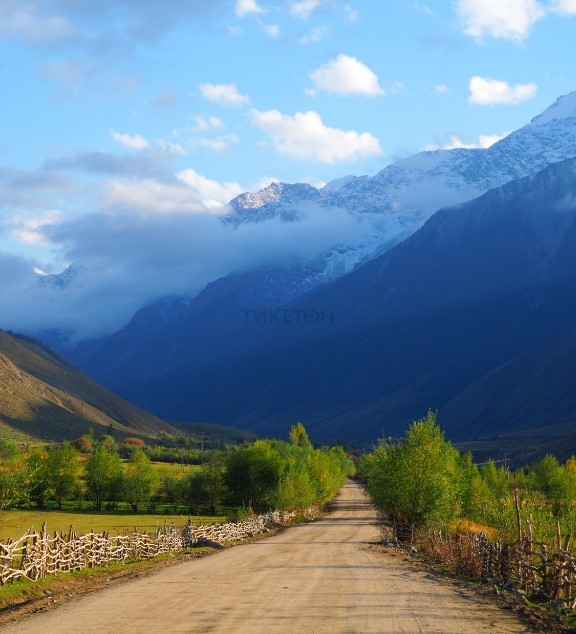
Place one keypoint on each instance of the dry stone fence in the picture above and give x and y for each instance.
(36, 555)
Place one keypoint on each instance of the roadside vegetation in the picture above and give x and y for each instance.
(108, 481)
(427, 484)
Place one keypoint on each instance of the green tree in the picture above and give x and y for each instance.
(63, 473)
(299, 436)
(253, 474)
(210, 488)
(103, 472)
(419, 477)
(14, 482)
(140, 480)
(38, 477)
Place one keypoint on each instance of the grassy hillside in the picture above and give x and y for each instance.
(43, 396)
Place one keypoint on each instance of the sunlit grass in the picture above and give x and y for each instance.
(14, 524)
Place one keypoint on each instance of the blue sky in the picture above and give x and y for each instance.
(126, 114)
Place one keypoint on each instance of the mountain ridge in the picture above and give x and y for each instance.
(44, 396)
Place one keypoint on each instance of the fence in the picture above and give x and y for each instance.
(36, 555)
(534, 568)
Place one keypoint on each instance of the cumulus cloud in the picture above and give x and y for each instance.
(225, 94)
(213, 194)
(305, 136)
(131, 141)
(345, 75)
(488, 92)
(247, 7)
(441, 89)
(503, 19)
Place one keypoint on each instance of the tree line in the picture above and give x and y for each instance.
(427, 483)
(265, 474)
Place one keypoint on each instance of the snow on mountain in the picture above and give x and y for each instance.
(390, 206)
(69, 278)
(397, 201)
(278, 199)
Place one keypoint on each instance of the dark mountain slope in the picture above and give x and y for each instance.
(44, 396)
(478, 285)
(534, 391)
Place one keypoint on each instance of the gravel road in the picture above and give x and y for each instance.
(317, 577)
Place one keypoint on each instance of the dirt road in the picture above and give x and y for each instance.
(318, 577)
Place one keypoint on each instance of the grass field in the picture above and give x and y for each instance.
(173, 469)
(14, 524)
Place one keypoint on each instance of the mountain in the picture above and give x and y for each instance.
(534, 391)
(398, 200)
(210, 361)
(480, 284)
(388, 208)
(43, 396)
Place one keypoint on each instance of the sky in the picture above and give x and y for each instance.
(128, 125)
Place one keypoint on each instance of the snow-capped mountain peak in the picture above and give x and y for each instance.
(397, 201)
(61, 281)
(563, 108)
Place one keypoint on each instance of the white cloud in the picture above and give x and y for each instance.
(27, 228)
(247, 7)
(455, 142)
(304, 8)
(220, 144)
(315, 35)
(488, 92)
(149, 197)
(564, 7)
(171, 148)
(226, 94)
(345, 75)
(503, 19)
(488, 140)
(128, 263)
(441, 89)
(305, 136)
(213, 194)
(131, 141)
(204, 124)
(273, 30)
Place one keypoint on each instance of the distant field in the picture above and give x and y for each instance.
(13, 524)
(174, 469)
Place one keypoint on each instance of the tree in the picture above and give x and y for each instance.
(253, 474)
(103, 472)
(140, 480)
(207, 486)
(63, 472)
(419, 478)
(38, 477)
(14, 481)
(299, 436)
